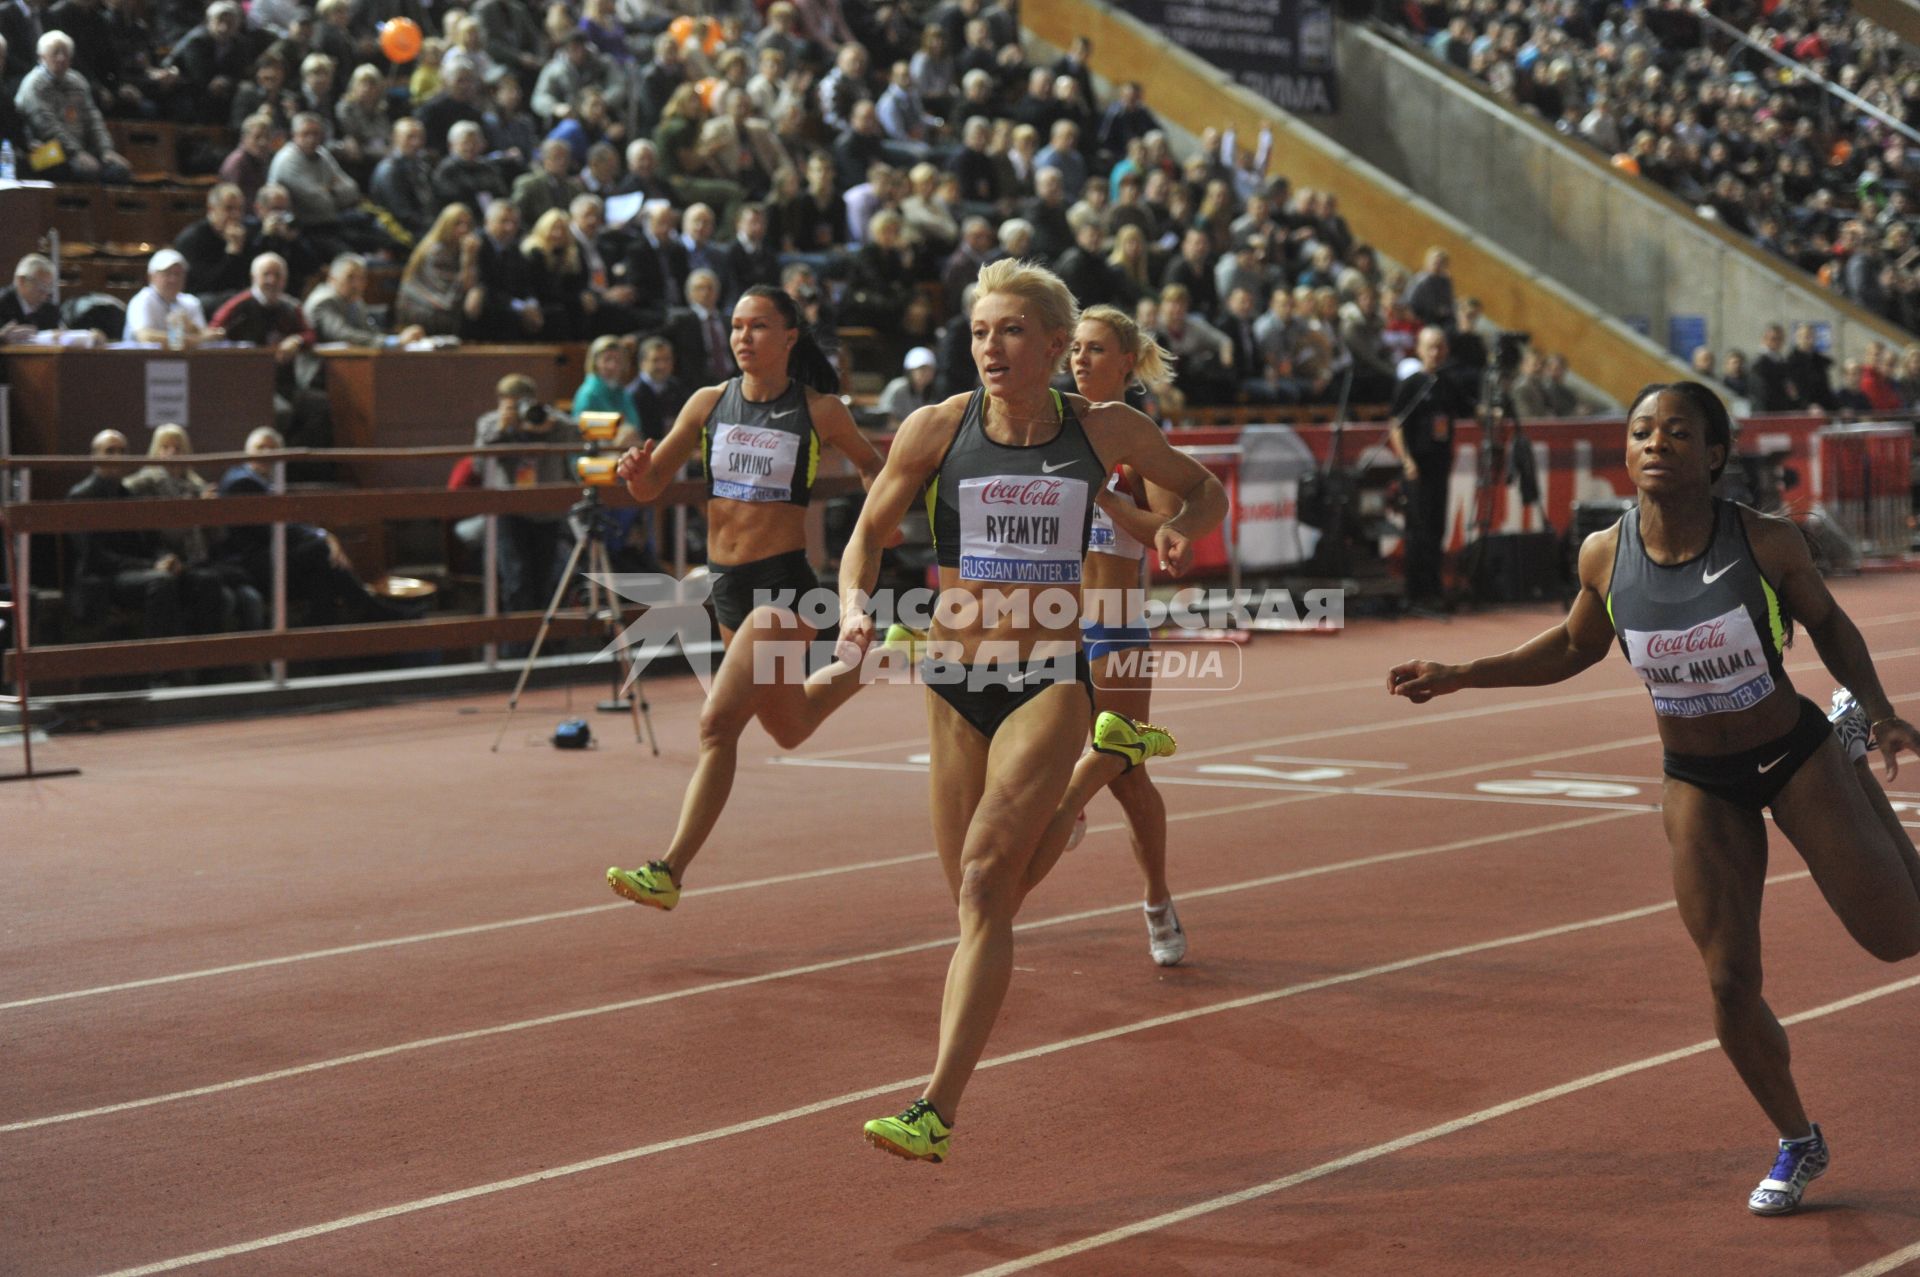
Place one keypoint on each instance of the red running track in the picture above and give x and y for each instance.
(345, 994)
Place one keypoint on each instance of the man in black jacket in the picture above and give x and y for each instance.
(28, 306)
(218, 248)
(1084, 269)
(657, 266)
(750, 259)
(402, 183)
(510, 307)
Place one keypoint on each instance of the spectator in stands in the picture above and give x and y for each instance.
(1562, 400)
(461, 99)
(219, 248)
(880, 190)
(1062, 152)
(1363, 338)
(903, 114)
(513, 37)
(218, 589)
(587, 125)
(656, 265)
(361, 115)
(320, 189)
(93, 52)
(320, 576)
(1810, 369)
(338, 313)
(642, 176)
(1734, 375)
(128, 568)
(551, 186)
(931, 208)
(573, 68)
(265, 315)
(567, 302)
(162, 313)
(880, 275)
(977, 248)
(815, 221)
(58, 107)
(604, 389)
(464, 177)
(442, 275)
(1192, 270)
(1205, 373)
(686, 160)
(532, 546)
(275, 228)
(843, 87)
(215, 59)
(1125, 119)
(1084, 268)
(246, 165)
(699, 331)
(504, 304)
(750, 258)
(706, 253)
(744, 149)
(912, 389)
(1429, 294)
(266, 94)
(28, 307)
(1772, 378)
(513, 132)
(1016, 239)
(1046, 212)
(658, 395)
(402, 183)
(1701, 361)
(660, 80)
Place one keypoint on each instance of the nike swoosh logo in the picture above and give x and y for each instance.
(1708, 578)
(1047, 469)
(775, 416)
(1775, 763)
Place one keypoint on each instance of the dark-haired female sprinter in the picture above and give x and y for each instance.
(760, 435)
(1700, 594)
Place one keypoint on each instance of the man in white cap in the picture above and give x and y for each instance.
(911, 389)
(164, 313)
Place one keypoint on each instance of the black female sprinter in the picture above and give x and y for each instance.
(1700, 594)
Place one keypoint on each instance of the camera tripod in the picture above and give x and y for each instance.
(590, 521)
(1504, 455)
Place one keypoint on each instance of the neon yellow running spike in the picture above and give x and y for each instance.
(1132, 741)
(650, 884)
(903, 639)
(917, 1134)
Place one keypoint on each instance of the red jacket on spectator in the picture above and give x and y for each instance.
(1878, 391)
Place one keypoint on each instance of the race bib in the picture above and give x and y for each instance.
(1716, 667)
(752, 463)
(1022, 529)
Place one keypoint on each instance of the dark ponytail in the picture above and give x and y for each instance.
(1707, 405)
(807, 363)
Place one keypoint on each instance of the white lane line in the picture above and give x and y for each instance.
(1329, 762)
(866, 1093)
(1298, 787)
(449, 934)
(741, 982)
(1377, 1151)
(1887, 1263)
(1625, 780)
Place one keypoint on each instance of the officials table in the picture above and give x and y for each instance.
(63, 397)
(388, 398)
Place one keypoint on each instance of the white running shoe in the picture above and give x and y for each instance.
(1079, 833)
(1849, 724)
(1798, 1165)
(1166, 940)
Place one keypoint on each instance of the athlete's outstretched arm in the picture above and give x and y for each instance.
(835, 425)
(648, 469)
(1126, 435)
(916, 453)
(1549, 657)
(1781, 553)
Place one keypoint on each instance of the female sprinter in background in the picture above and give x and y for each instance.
(1701, 594)
(1010, 474)
(1108, 355)
(760, 435)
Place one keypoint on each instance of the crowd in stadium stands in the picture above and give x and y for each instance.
(1800, 377)
(621, 170)
(1770, 154)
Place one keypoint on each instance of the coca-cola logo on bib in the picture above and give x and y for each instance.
(755, 438)
(1022, 492)
(1704, 637)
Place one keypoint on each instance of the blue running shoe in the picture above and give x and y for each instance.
(1800, 1163)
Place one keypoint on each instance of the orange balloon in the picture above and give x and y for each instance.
(714, 40)
(709, 90)
(400, 39)
(680, 28)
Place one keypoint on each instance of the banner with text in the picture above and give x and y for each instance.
(1281, 49)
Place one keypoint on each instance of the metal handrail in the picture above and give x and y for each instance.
(1802, 70)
